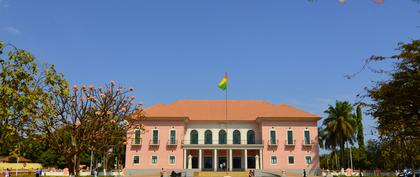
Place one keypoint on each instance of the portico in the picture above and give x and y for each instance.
(222, 158)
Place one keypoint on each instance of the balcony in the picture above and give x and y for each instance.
(202, 142)
(307, 144)
(172, 143)
(136, 142)
(154, 142)
(292, 143)
(273, 143)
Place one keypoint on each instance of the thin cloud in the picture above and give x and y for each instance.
(4, 4)
(12, 30)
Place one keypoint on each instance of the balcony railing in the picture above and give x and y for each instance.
(154, 142)
(273, 142)
(172, 142)
(305, 143)
(136, 142)
(292, 143)
(216, 142)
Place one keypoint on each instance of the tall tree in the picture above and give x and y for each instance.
(396, 102)
(340, 125)
(88, 119)
(25, 87)
(360, 136)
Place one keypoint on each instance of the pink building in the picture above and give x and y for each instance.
(199, 135)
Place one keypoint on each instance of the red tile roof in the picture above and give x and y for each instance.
(216, 110)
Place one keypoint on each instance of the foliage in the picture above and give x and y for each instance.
(396, 104)
(339, 127)
(24, 90)
(361, 155)
(88, 119)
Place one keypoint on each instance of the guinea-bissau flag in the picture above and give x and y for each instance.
(223, 83)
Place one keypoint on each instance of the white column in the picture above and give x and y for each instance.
(257, 162)
(199, 158)
(230, 159)
(185, 159)
(215, 160)
(189, 165)
(246, 159)
(261, 159)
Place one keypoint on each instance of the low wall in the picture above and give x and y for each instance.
(29, 166)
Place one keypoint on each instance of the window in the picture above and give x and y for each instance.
(250, 137)
(208, 137)
(222, 137)
(236, 137)
(154, 159)
(194, 137)
(136, 159)
(172, 159)
(273, 139)
(307, 137)
(172, 139)
(155, 136)
(308, 159)
(291, 160)
(137, 138)
(273, 160)
(290, 137)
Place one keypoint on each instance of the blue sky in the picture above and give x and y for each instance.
(294, 52)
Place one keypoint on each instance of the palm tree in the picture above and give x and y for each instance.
(339, 127)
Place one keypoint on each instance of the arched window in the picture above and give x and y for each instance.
(236, 137)
(208, 137)
(194, 137)
(250, 137)
(222, 137)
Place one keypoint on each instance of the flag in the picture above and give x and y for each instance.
(223, 83)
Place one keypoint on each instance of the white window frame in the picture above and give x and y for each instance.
(133, 160)
(306, 162)
(169, 159)
(304, 130)
(269, 135)
(134, 142)
(293, 136)
(172, 129)
(294, 160)
(158, 136)
(157, 159)
(271, 160)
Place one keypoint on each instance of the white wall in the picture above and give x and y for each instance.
(215, 127)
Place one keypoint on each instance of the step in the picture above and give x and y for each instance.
(221, 174)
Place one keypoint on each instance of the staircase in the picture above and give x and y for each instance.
(221, 174)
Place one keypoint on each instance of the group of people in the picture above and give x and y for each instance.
(38, 172)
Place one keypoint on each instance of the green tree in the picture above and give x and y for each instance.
(360, 155)
(340, 126)
(88, 119)
(25, 87)
(396, 103)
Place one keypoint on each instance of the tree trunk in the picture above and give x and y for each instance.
(342, 164)
(70, 165)
(77, 158)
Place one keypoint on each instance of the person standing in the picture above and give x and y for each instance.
(7, 173)
(95, 173)
(37, 172)
(162, 172)
(304, 173)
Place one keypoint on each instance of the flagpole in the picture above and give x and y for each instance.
(227, 130)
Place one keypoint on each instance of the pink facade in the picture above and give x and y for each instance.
(145, 151)
(188, 142)
(299, 150)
